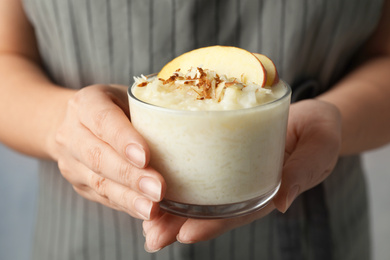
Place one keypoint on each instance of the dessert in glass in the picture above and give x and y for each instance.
(218, 140)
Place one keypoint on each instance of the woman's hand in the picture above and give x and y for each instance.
(102, 155)
(312, 148)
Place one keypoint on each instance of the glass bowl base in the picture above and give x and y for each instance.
(218, 211)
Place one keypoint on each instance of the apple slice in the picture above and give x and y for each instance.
(224, 60)
(270, 68)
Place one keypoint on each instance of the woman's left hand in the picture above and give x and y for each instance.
(312, 149)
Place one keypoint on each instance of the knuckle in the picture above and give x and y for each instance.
(116, 133)
(63, 167)
(124, 199)
(124, 174)
(77, 101)
(60, 136)
(95, 156)
(74, 102)
(99, 185)
(100, 120)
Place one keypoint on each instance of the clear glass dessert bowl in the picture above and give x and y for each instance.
(217, 164)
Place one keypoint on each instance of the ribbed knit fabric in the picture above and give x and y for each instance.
(312, 42)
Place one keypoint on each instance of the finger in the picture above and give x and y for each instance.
(77, 174)
(312, 146)
(196, 230)
(133, 202)
(166, 229)
(99, 189)
(147, 225)
(89, 194)
(299, 174)
(139, 207)
(102, 159)
(106, 120)
(162, 231)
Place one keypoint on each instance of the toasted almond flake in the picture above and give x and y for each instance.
(143, 84)
(205, 84)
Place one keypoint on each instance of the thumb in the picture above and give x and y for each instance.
(310, 163)
(312, 148)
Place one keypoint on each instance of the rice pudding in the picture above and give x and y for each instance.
(216, 140)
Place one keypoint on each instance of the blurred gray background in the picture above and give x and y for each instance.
(18, 190)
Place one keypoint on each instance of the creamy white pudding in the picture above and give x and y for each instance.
(215, 140)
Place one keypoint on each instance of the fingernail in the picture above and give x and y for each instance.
(151, 188)
(183, 241)
(147, 249)
(292, 194)
(136, 155)
(143, 207)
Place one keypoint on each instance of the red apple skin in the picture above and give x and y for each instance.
(228, 60)
(270, 68)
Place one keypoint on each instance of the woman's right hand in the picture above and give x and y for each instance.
(103, 156)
